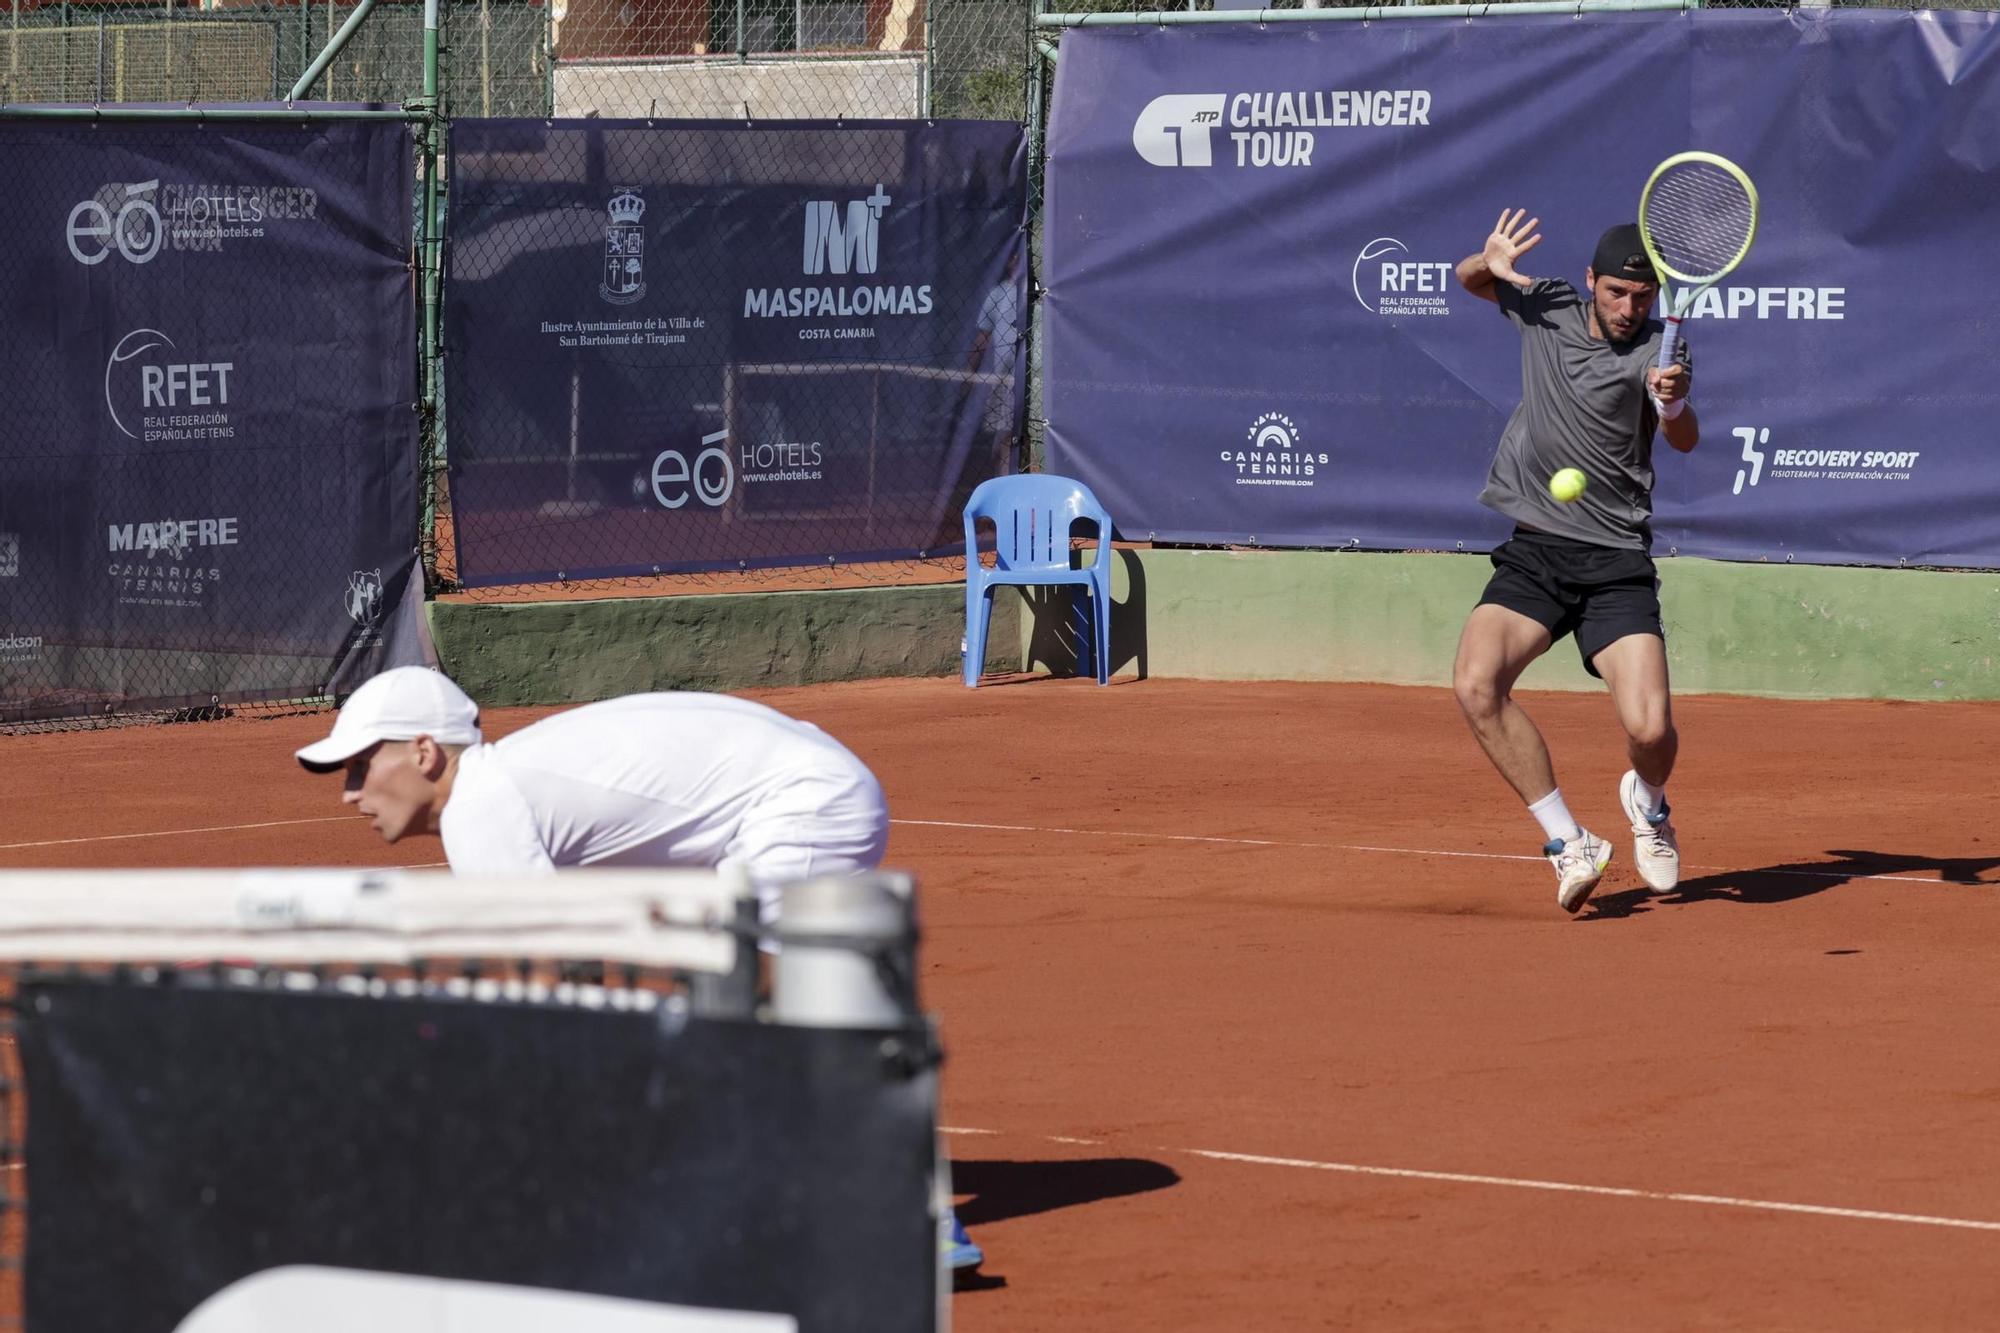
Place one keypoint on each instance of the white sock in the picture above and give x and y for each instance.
(1553, 815)
(1651, 798)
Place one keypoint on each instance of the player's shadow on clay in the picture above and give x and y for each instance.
(1003, 1189)
(1799, 879)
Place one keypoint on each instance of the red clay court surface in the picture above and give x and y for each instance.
(1262, 1015)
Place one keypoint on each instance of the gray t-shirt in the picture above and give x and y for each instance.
(1583, 405)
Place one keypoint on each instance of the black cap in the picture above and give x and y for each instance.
(1620, 254)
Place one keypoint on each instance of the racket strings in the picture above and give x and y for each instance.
(1699, 220)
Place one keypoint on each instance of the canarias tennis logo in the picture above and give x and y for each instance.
(1273, 454)
(1266, 129)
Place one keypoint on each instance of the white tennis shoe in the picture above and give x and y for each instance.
(1579, 865)
(1655, 846)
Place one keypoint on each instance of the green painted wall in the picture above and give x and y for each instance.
(563, 652)
(1787, 630)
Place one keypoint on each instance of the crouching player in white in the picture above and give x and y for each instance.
(681, 780)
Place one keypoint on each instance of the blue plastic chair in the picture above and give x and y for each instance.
(1031, 514)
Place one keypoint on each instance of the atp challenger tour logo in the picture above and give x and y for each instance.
(624, 249)
(1271, 129)
(1816, 464)
(1273, 454)
(841, 241)
(1388, 282)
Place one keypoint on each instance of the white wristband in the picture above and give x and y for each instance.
(1668, 411)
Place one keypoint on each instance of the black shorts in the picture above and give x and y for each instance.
(1598, 593)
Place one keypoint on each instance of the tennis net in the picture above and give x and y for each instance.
(274, 1093)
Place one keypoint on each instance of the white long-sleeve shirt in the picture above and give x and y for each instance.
(672, 779)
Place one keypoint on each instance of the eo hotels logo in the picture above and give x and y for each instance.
(843, 239)
(153, 395)
(624, 249)
(1388, 282)
(1273, 454)
(709, 478)
(1816, 464)
(120, 218)
(1269, 129)
(134, 220)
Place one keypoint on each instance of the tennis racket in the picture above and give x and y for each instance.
(1697, 217)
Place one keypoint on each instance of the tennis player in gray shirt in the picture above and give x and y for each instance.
(1591, 399)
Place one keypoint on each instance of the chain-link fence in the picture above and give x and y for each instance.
(206, 443)
(649, 373)
(751, 61)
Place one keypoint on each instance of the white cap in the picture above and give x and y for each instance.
(400, 704)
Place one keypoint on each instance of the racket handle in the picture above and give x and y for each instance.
(1670, 341)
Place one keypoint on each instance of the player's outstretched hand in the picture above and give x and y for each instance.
(1512, 237)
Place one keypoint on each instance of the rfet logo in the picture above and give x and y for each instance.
(146, 375)
(1387, 281)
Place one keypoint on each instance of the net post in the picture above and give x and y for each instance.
(731, 994)
(848, 952)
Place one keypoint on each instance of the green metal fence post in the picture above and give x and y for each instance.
(429, 262)
(303, 88)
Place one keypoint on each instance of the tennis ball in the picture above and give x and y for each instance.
(1568, 484)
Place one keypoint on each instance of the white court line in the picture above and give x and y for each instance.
(1554, 1186)
(1029, 828)
(170, 833)
(1359, 847)
(1607, 1191)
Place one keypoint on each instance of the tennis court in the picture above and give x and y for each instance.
(1260, 1012)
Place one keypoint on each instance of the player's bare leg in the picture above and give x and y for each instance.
(1495, 648)
(1635, 667)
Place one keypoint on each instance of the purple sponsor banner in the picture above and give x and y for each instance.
(694, 345)
(1254, 334)
(208, 442)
